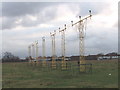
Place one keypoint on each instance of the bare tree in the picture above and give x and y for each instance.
(9, 57)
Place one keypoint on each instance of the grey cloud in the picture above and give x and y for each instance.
(13, 11)
(95, 7)
(8, 23)
(42, 17)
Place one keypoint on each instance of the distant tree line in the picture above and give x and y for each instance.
(9, 57)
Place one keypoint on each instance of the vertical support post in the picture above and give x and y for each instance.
(81, 26)
(33, 53)
(81, 46)
(53, 50)
(43, 51)
(29, 52)
(63, 47)
(36, 43)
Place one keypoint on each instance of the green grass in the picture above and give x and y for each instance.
(22, 75)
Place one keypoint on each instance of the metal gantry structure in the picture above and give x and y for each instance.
(33, 51)
(43, 51)
(81, 27)
(29, 52)
(62, 31)
(53, 49)
(36, 46)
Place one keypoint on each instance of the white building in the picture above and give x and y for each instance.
(107, 57)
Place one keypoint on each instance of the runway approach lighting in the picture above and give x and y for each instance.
(36, 44)
(53, 49)
(62, 31)
(81, 27)
(43, 52)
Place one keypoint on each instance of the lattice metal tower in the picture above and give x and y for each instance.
(33, 52)
(53, 50)
(29, 52)
(43, 51)
(81, 27)
(63, 47)
(36, 44)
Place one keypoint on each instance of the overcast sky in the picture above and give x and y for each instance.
(23, 23)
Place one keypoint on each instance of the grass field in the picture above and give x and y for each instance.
(22, 75)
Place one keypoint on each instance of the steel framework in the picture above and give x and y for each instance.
(33, 52)
(63, 47)
(43, 51)
(81, 26)
(53, 50)
(29, 53)
(36, 44)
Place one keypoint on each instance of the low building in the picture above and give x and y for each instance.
(91, 57)
(74, 58)
(108, 57)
